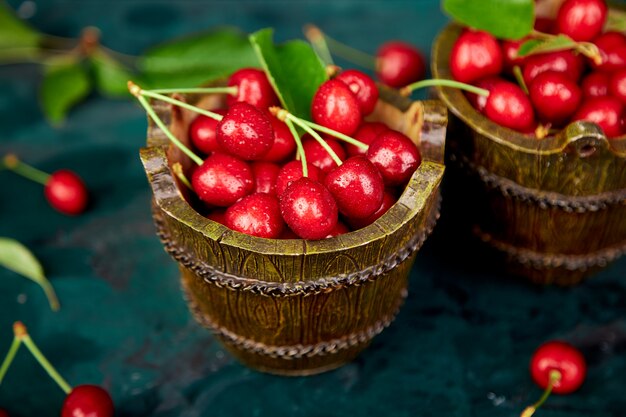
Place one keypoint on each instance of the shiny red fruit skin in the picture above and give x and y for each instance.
(253, 88)
(291, 172)
(399, 64)
(508, 106)
(335, 107)
(395, 156)
(560, 61)
(617, 85)
(284, 144)
(318, 156)
(202, 132)
(595, 84)
(66, 192)
(363, 87)
(367, 133)
(388, 200)
(544, 24)
(217, 215)
(87, 401)
(477, 101)
(474, 55)
(245, 132)
(265, 174)
(257, 215)
(554, 96)
(612, 46)
(309, 209)
(562, 357)
(606, 112)
(581, 20)
(339, 229)
(357, 186)
(222, 179)
(509, 54)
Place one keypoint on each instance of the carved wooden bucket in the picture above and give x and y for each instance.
(298, 307)
(554, 208)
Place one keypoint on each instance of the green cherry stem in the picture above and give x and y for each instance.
(440, 82)
(12, 163)
(178, 170)
(346, 52)
(554, 377)
(167, 99)
(232, 90)
(316, 136)
(136, 91)
(519, 77)
(15, 345)
(318, 41)
(336, 134)
(294, 132)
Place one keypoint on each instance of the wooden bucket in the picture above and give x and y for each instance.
(555, 208)
(298, 307)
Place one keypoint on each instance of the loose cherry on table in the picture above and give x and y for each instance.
(581, 20)
(475, 55)
(64, 190)
(556, 367)
(399, 63)
(555, 97)
(336, 107)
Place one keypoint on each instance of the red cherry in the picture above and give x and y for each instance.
(289, 234)
(284, 144)
(581, 20)
(478, 101)
(560, 61)
(309, 209)
(606, 112)
(66, 192)
(363, 87)
(367, 133)
(257, 215)
(399, 64)
(612, 46)
(508, 106)
(218, 216)
(202, 132)
(388, 200)
(395, 156)
(357, 187)
(87, 401)
(318, 156)
(253, 88)
(245, 132)
(336, 107)
(222, 179)
(292, 171)
(561, 357)
(554, 96)
(595, 84)
(617, 85)
(544, 24)
(265, 174)
(339, 229)
(509, 54)
(474, 55)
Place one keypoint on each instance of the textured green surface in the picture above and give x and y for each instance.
(459, 347)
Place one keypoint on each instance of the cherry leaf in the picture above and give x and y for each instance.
(506, 19)
(110, 75)
(17, 258)
(293, 68)
(65, 83)
(14, 33)
(539, 46)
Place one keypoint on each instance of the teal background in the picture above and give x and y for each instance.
(460, 346)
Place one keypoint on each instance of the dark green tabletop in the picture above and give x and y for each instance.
(459, 347)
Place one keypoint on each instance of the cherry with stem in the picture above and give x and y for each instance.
(555, 376)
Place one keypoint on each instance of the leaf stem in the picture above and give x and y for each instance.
(554, 377)
(182, 104)
(53, 300)
(178, 170)
(318, 41)
(316, 136)
(12, 162)
(292, 128)
(232, 90)
(405, 91)
(8, 360)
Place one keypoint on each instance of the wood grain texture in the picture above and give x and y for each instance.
(298, 307)
(555, 207)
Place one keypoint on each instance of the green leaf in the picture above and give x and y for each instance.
(14, 33)
(539, 46)
(196, 60)
(293, 68)
(65, 83)
(110, 75)
(17, 258)
(506, 19)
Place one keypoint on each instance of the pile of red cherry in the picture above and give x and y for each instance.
(253, 182)
(563, 86)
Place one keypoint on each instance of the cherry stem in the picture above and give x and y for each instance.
(179, 103)
(21, 333)
(336, 134)
(554, 377)
(318, 41)
(344, 51)
(178, 170)
(9, 357)
(232, 90)
(12, 163)
(294, 132)
(317, 137)
(439, 82)
(136, 91)
(517, 72)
